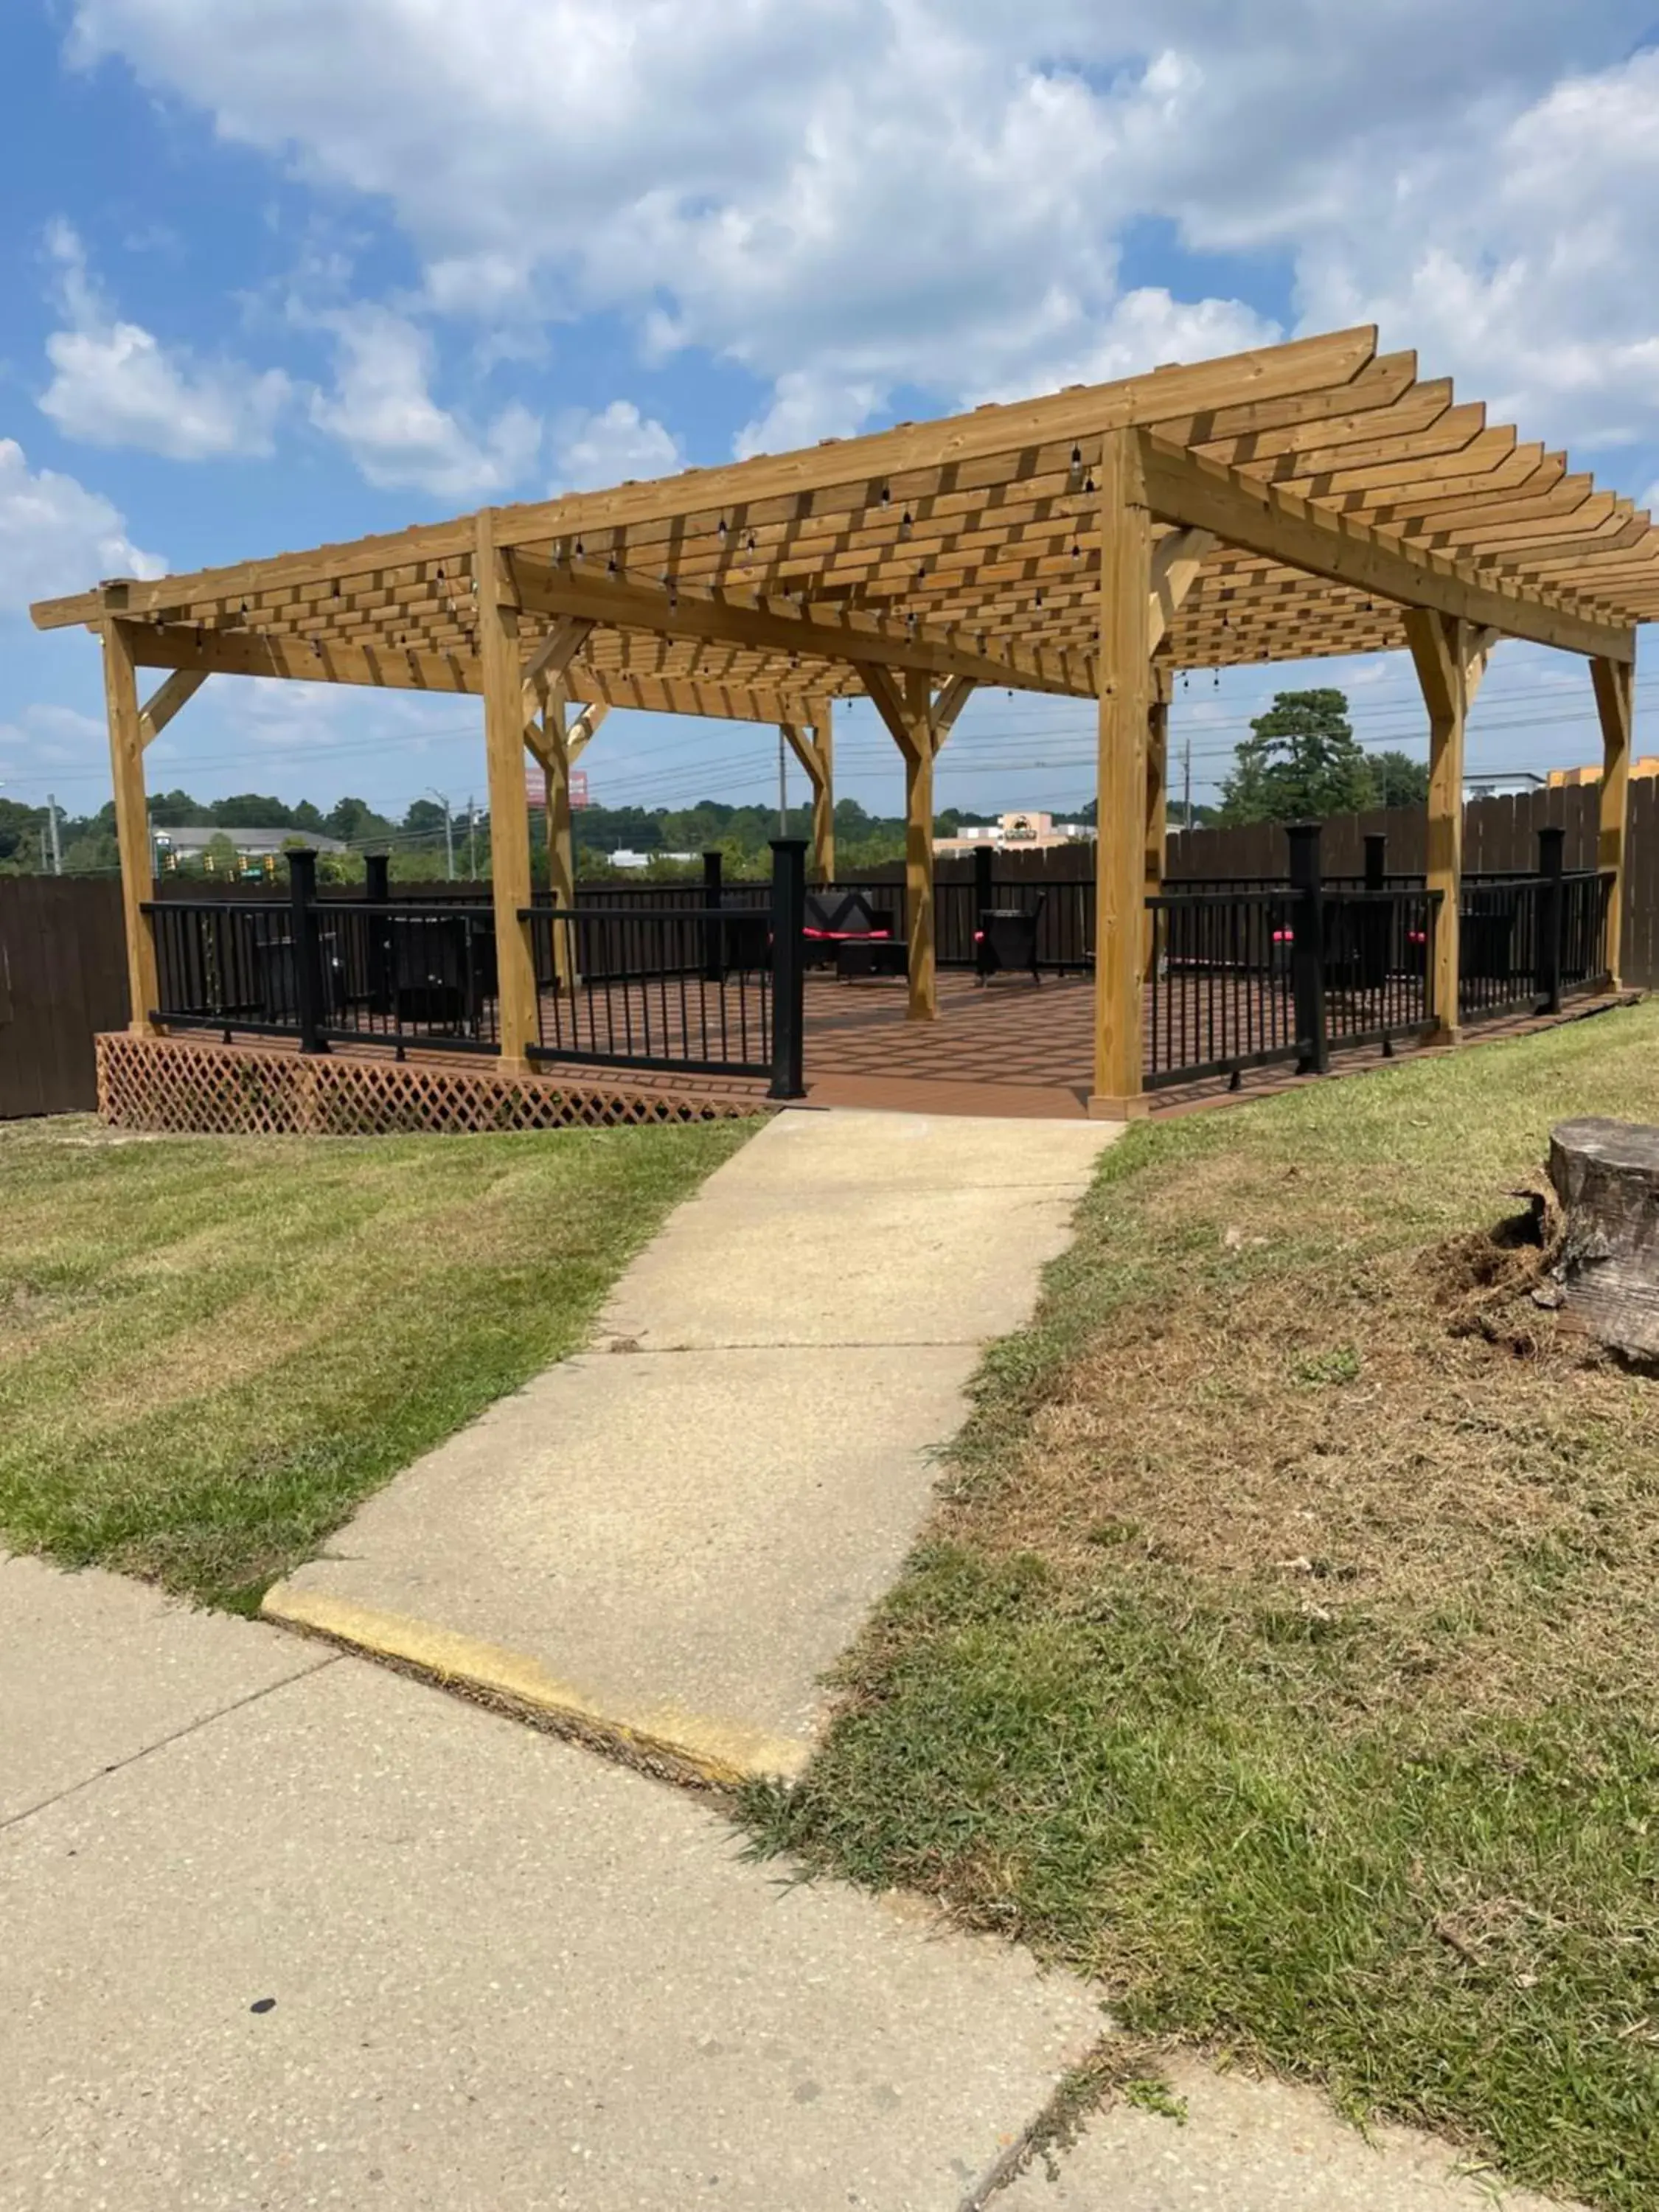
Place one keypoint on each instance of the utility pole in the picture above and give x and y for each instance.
(783, 785)
(432, 792)
(1187, 782)
(472, 839)
(56, 848)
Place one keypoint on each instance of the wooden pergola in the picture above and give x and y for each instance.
(1309, 499)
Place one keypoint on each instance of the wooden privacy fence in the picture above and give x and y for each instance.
(1500, 836)
(62, 978)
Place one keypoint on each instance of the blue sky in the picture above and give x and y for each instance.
(276, 272)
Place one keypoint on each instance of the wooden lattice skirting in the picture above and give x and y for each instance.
(192, 1086)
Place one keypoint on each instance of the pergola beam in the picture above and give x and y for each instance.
(838, 636)
(1180, 487)
(244, 652)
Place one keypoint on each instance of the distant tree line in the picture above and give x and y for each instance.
(421, 850)
(1300, 762)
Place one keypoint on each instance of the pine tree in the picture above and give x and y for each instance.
(1301, 763)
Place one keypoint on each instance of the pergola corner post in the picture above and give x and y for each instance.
(1450, 659)
(1126, 696)
(1616, 704)
(127, 752)
(502, 685)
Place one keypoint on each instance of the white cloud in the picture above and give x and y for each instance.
(55, 537)
(610, 446)
(1526, 259)
(383, 412)
(807, 405)
(853, 197)
(115, 383)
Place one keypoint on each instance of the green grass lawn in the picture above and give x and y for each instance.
(211, 1349)
(1288, 1659)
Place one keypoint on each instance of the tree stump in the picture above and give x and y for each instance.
(1606, 1174)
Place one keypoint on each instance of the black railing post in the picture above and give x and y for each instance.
(788, 968)
(1376, 859)
(1307, 948)
(307, 950)
(377, 947)
(1552, 918)
(984, 896)
(713, 962)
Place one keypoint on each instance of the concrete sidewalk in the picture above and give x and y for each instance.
(667, 1541)
(284, 1929)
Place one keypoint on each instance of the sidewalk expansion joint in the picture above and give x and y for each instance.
(693, 1750)
(173, 1736)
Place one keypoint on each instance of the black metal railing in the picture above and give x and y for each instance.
(1219, 996)
(700, 988)
(1241, 978)
(1498, 947)
(226, 965)
(1585, 900)
(1377, 964)
(316, 971)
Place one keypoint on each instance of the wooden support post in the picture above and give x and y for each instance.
(823, 793)
(1125, 562)
(814, 746)
(1157, 799)
(503, 685)
(561, 837)
(919, 849)
(1450, 659)
(909, 715)
(1615, 703)
(126, 754)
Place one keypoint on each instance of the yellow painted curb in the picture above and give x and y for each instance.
(689, 1745)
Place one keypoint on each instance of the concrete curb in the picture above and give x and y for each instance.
(681, 1747)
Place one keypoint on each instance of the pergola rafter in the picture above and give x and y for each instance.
(1309, 499)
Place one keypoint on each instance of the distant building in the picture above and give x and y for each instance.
(1564, 779)
(624, 857)
(1027, 832)
(189, 840)
(1500, 787)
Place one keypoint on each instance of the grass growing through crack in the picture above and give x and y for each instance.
(1288, 1661)
(210, 1349)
